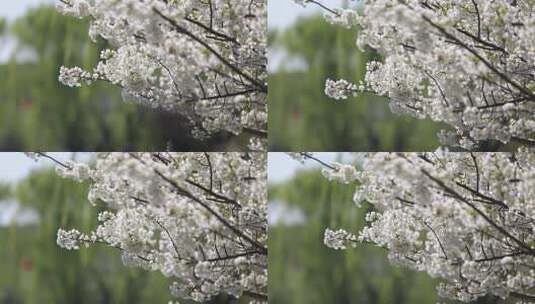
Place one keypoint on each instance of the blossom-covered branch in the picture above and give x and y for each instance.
(466, 218)
(203, 59)
(468, 64)
(199, 218)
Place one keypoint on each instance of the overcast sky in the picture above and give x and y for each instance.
(282, 13)
(14, 166)
(12, 9)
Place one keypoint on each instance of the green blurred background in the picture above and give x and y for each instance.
(39, 113)
(302, 56)
(34, 270)
(302, 270)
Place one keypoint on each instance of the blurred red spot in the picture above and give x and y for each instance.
(26, 105)
(26, 265)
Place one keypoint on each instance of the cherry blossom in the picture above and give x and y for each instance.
(465, 218)
(468, 64)
(198, 218)
(202, 59)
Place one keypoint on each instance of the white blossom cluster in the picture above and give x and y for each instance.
(465, 218)
(203, 59)
(469, 64)
(339, 239)
(340, 89)
(198, 218)
(341, 173)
